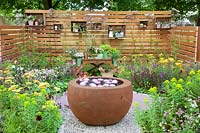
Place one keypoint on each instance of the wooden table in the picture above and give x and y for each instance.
(96, 64)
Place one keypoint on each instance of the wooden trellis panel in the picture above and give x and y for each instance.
(11, 37)
(186, 40)
(137, 40)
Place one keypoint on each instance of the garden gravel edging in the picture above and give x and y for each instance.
(72, 125)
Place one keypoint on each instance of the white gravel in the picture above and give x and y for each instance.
(72, 125)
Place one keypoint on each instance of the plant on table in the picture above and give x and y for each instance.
(177, 109)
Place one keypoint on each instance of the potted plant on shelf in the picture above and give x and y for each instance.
(115, 54)
(31, 20)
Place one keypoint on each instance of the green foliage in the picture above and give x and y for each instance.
(176, 109)
(115, 53)
(28, 112)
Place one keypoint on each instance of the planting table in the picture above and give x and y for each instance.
(96, 64)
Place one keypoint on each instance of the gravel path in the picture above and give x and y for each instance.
(72, 125)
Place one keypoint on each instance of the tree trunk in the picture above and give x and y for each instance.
(47, 4)
(198, 21)
(56, 4)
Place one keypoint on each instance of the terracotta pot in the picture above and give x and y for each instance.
(100, 105)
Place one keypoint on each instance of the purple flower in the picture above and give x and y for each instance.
(155, 65)
(161, 75)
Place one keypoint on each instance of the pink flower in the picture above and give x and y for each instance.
(179, 112)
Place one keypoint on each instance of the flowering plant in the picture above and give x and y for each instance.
(79, 55)
(176, 109)
(74, 53)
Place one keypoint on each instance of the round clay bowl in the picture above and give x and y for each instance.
(100, 106)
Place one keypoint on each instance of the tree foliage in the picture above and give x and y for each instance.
(182, 5)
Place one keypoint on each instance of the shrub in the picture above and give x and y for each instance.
(28, 112)
(176, 109)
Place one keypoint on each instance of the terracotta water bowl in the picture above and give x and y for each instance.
(100, 103)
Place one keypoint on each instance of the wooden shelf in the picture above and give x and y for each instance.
(78, 26)
(116, 31)
(39, 21)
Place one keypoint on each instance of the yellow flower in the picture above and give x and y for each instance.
(151, 56)
(153, 89)
(166, 82)
(39, 113)
(28, 83)
(13, 87)
(9, 78)
(28, 75)
(43, 106)
(189, 84)
(160, 55)
(8, 81)
(180, 80)
(6, 71)
(17, 90)
(178, 64)
(173, 80)
(171, 59)
(198, 71)
(36, 93)
(192, 72)
(26, 103)
(140, 55)
(15, 62)
(43, 85)
(136, 104)
(179, 87)
(166, 61)
(180, 61)
(1, 78)
(146, 100)
(161, 59)
(57, 89)
(36, 81)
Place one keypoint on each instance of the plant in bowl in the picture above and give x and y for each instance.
(106, 48)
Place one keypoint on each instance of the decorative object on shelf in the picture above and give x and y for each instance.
(97, 26)
(57, 27)
(31, 20)
(78, 26)
(163, 23)
(116, 31)
(143, 24)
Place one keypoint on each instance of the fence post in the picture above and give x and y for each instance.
(198, 45)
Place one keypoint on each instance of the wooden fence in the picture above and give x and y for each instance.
(55, 34)
(137, 39)
(11, 37)
(185, 43)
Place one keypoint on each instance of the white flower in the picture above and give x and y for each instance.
(79, 55)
